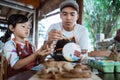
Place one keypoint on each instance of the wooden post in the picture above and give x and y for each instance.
(80, 3)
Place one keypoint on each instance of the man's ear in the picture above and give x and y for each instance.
(11, 28)
(77, 16)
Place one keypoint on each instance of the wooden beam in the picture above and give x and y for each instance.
(15, 6)
(4, 21)
(48, 7)
(52, 14)
(34, 3)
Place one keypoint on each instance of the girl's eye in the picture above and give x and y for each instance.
(28, 27)
(23, 26)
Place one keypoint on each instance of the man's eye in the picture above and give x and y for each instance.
(64, 13)
(72, 14)
(29, 27)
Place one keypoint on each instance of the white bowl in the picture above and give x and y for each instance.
(68, 51)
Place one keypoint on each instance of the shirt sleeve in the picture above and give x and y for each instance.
(10, 53)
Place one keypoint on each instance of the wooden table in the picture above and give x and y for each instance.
(23, 76)
(27, 74)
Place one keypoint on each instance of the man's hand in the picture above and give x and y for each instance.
(54, 35)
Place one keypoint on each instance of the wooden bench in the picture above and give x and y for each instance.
(3, 67)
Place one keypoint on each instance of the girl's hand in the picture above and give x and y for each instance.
(43, 51)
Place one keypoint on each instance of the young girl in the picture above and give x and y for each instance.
(20, 53)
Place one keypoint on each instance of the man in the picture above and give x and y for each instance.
(68, 29)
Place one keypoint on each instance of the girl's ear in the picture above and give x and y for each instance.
(11, 28)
